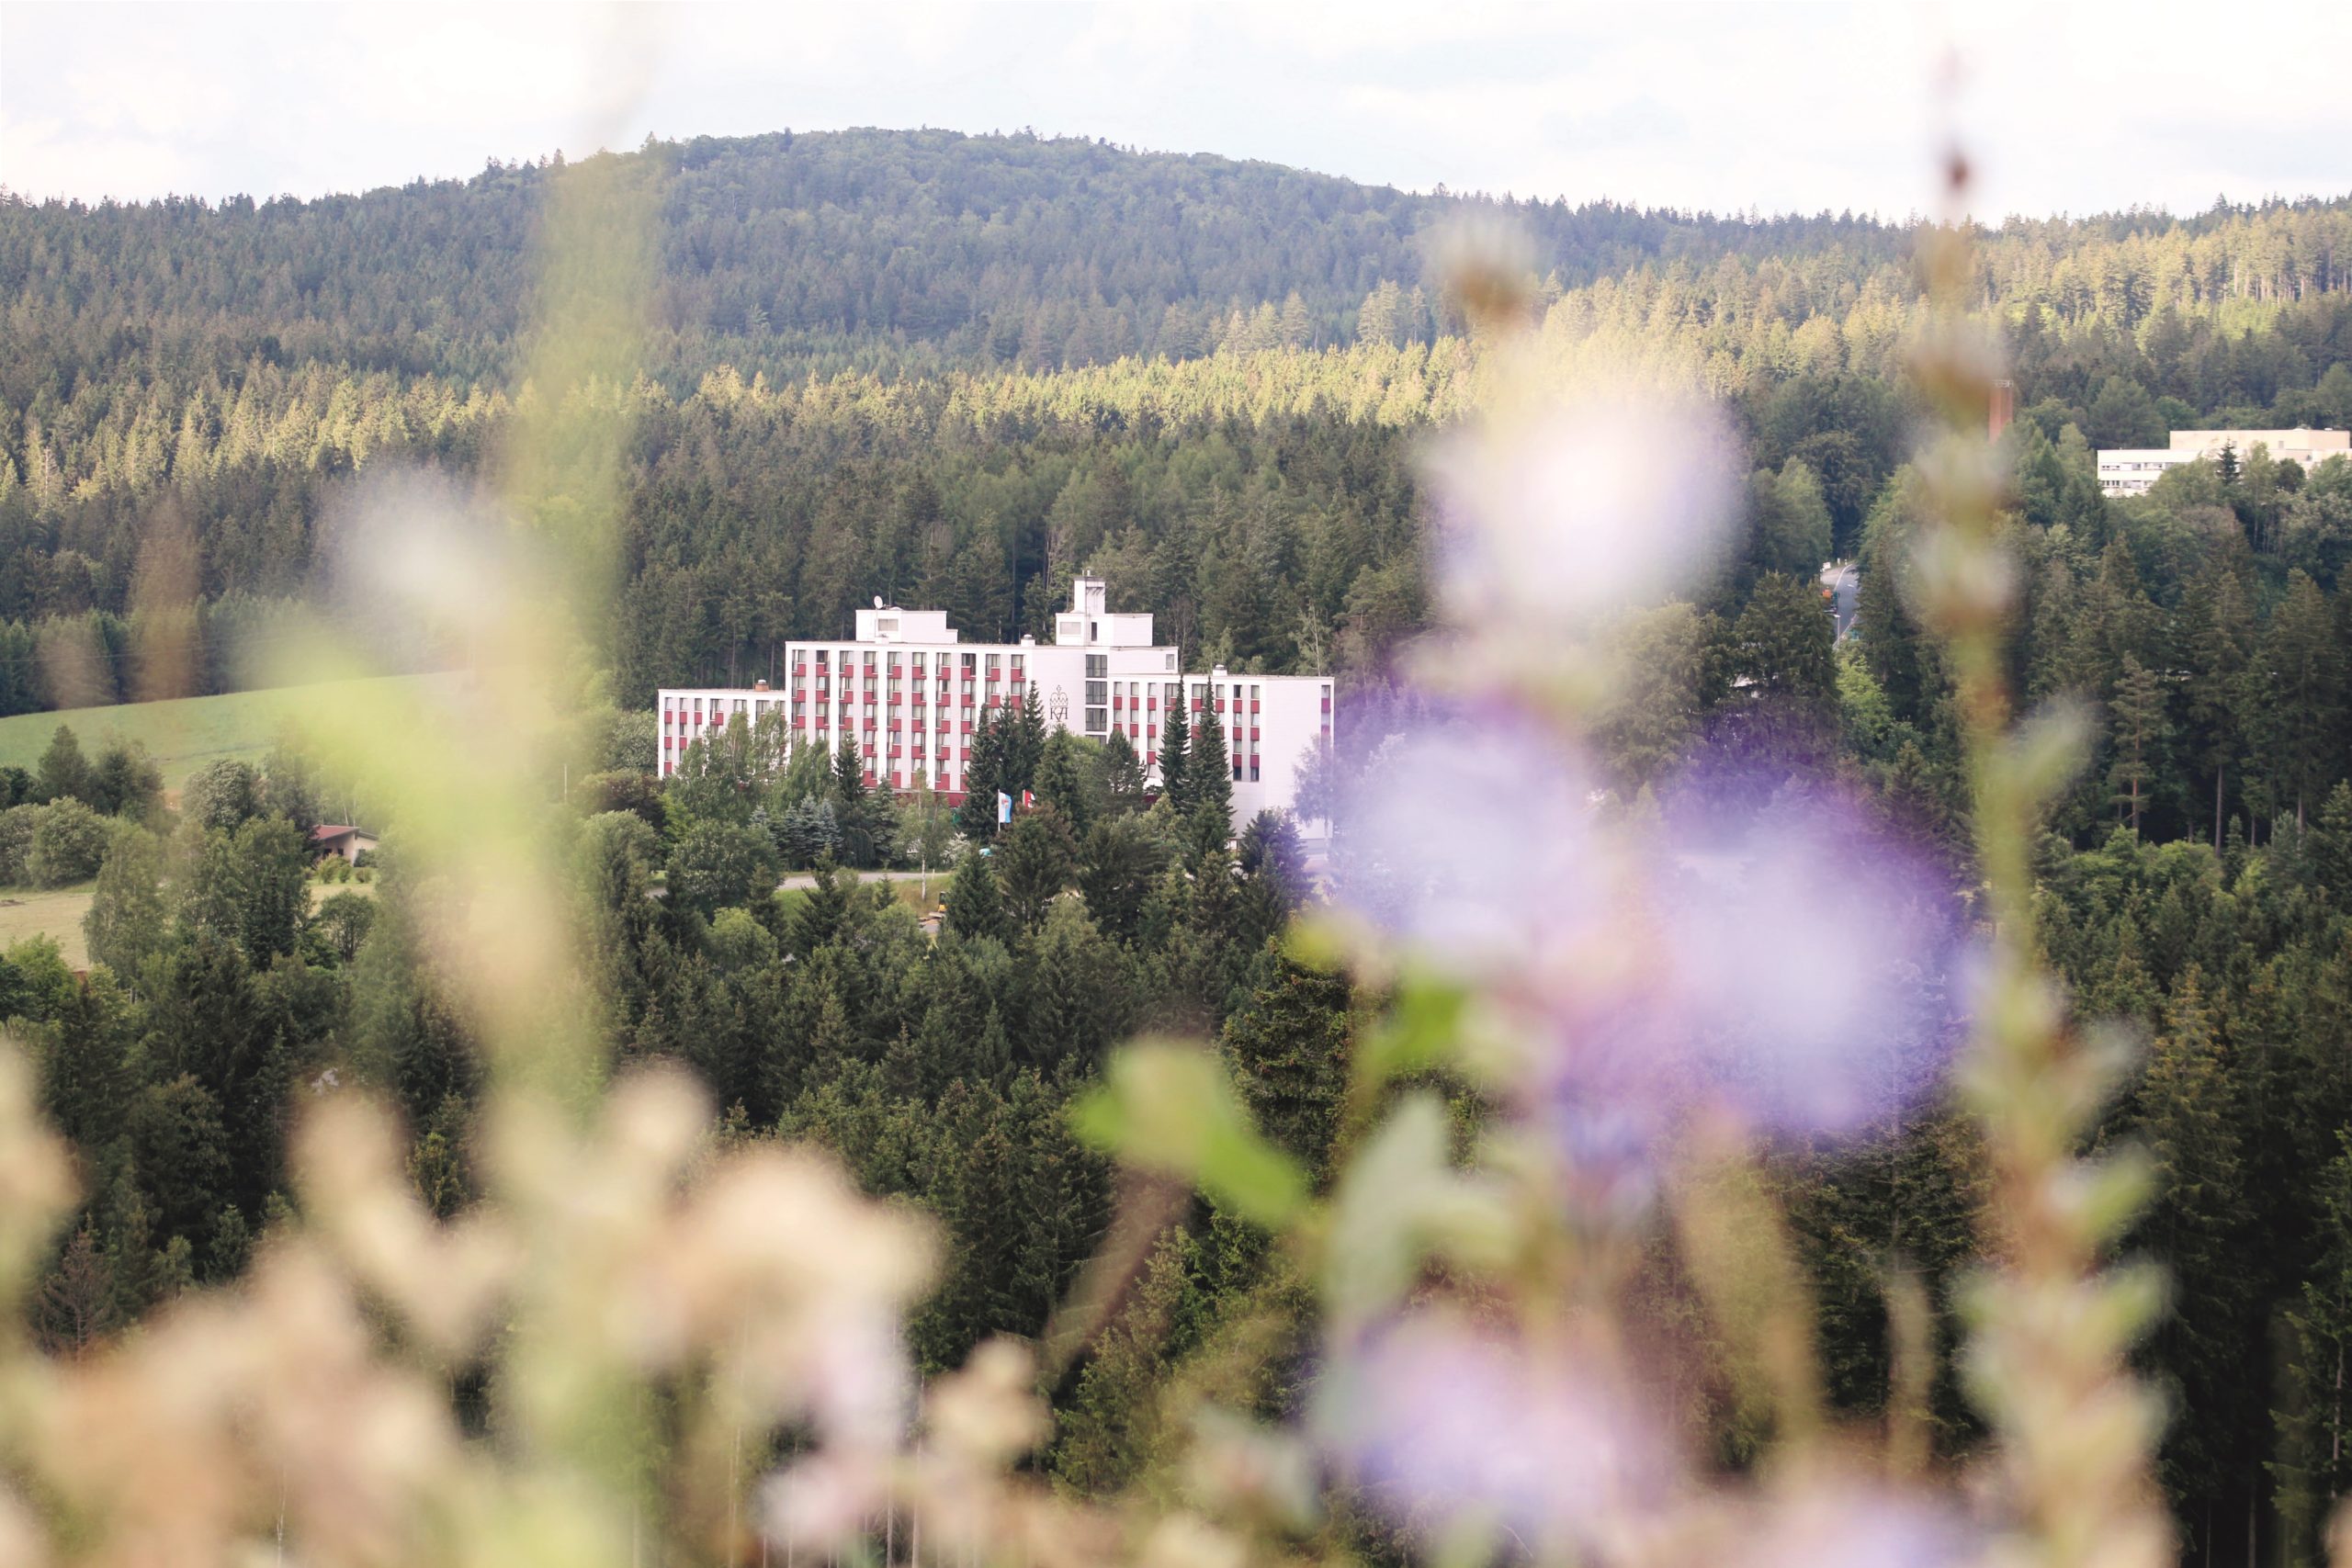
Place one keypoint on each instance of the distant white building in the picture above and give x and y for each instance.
(907, 690)
(2131, 470)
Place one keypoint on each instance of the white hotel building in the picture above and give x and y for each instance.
(909, 691)
(2133, 470)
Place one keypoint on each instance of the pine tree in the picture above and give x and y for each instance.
(2220, 640)
(1024, 746)
(1038, 861)
(1209, 775)
(2301, 680)
(1175, 748)
(1289, 1048)
(852, 806)
(1060, 782)
(2314, 1422)
(2142, 733)
(975, 907)
(63, 772)
(983, 779)
(2187, 1115)
(1121, 774)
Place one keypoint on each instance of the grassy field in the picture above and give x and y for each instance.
(57, 912)
(53, 911)
(183, 734)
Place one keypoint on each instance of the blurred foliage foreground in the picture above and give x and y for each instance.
(650, 1345)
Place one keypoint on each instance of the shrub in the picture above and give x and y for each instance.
(69, 843)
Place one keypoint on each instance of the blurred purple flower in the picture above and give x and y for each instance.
(1855, 1526)
(1804, 953)
(1572, 510)
(1785, 964)
(1469, 839)
(1438, 1419)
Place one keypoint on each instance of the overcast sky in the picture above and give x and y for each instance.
(2065, 107)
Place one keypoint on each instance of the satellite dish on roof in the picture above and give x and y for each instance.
(877, 600)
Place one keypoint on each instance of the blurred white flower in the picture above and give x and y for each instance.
(1570, 511)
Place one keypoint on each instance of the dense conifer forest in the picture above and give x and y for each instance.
(956, 371)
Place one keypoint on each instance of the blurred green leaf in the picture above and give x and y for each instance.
(1170, 1107)
(1418, 1034)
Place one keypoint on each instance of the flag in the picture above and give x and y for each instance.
(1003, 808)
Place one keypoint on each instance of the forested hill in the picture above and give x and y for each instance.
(792, 251)
(922, 250)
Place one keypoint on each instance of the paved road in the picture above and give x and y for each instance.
(1844, 580)
(804, 879)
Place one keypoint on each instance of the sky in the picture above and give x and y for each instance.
(2063, 108)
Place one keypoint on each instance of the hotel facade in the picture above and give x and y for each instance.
(2133, 470)
(909, 692)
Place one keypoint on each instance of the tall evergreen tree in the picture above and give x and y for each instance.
(984, 777)
(1209, 774)
(1175, 749)
(2142, 734)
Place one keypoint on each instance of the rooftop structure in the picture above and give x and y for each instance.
(907, 690)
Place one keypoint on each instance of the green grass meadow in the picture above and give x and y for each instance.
(184, 733)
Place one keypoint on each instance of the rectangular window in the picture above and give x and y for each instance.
(1098, 665)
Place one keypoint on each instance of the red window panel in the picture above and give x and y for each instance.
(1253, 705)
(800, 669)
(869, 751)
(894, 726)
(968, 726)
(1152, 730)
(1152, 703)
(968, 699)
(869, 721)
(1197, 705)
(1253, 732)
(895, 782)
(1151, 758)
(1327, 705)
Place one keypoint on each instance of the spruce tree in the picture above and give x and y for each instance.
(2219, 638)
(975, 906)
(2187, 1118)
(2301, 679)
(1061, 783)
(853, 806)
(983, 778)
(1024, 746)
(2142, 735)
(1175, 744)
(1121, 774)
(63, 772)
(1038, 861)
(1209, 774)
